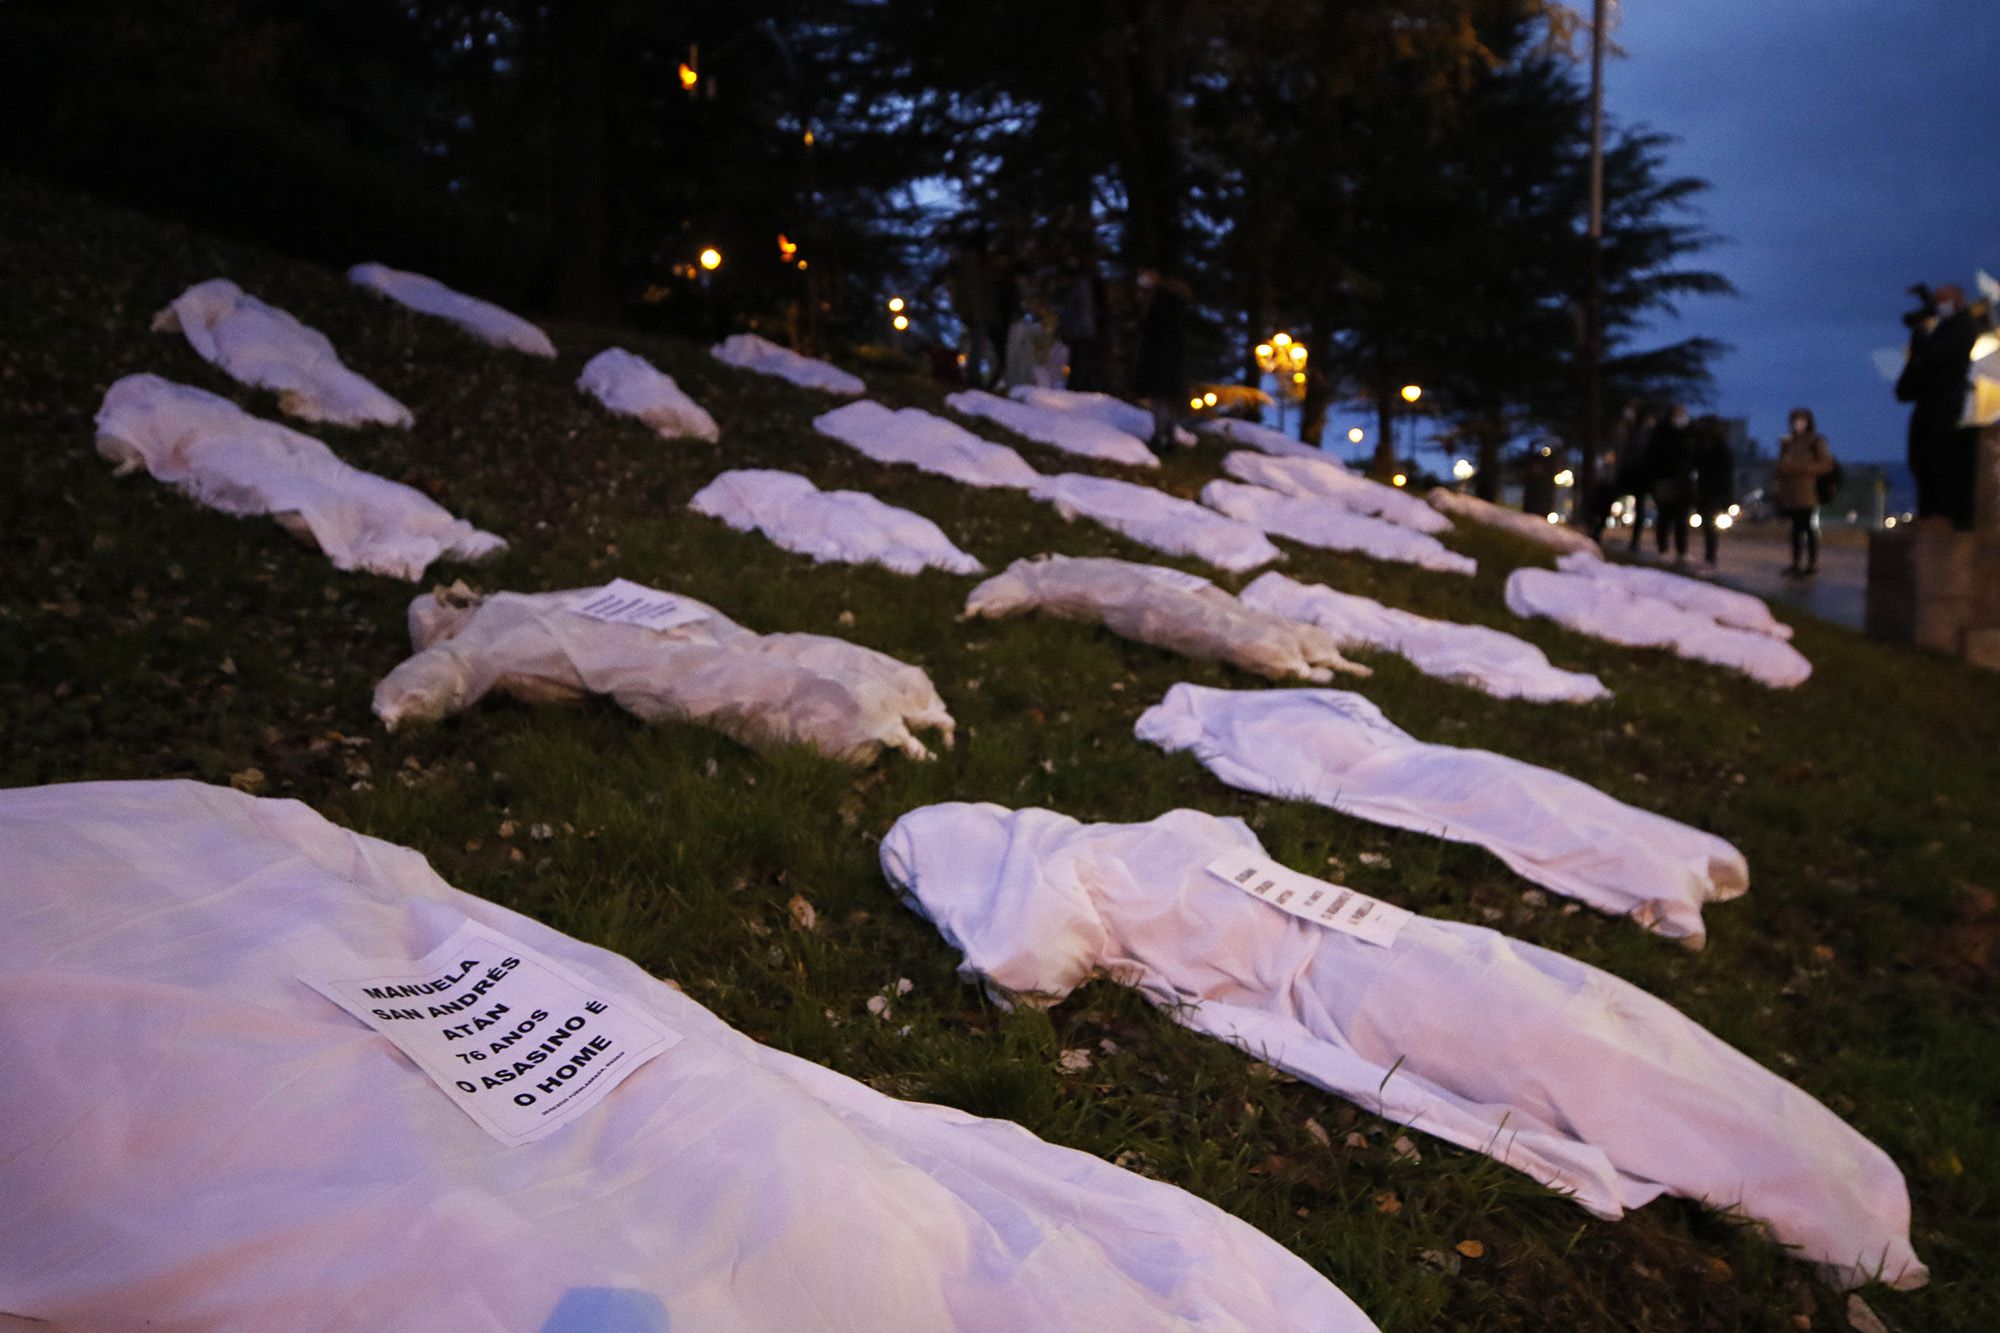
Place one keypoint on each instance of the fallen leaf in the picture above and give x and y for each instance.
(1471, 1249)
(1356, 1140)
(1317, 1133)
(248, 779)
(1862, 1319)
(878, 1005)
(802, 912)
(1387, 1202)
(1405, 1150)
(1074, 1060)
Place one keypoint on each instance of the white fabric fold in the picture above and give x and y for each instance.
(1126, 418)
(1725, 606)
(1583, 1081)
(1323, 478)
(916, 437)
(747, 351)
(1617, 613)
(1336, 749)
(1071, 431)
(848, 527)
(1530, 527)
(632, 386)
(222, 457)
(1166, 608)
(1154, 518)
(195, 1138)
(1476, 656)
(1262, 438)
(427, 296)
(764, 690)
(263, 346)
(1318, 521)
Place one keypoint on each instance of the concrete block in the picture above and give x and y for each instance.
(1982, 648)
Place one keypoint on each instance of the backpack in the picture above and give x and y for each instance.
(1828, 483)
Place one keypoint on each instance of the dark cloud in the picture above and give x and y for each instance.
(1854, 146)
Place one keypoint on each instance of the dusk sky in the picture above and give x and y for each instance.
(1854, 147)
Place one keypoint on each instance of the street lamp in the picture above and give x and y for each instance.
(900, 323)
(1412, 392)
(710, 258)
(895, 305)
(1462, 470)
(1356, 435)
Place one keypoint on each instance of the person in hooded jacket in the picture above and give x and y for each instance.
(1670, 471)
(1803, 458)
(1714, 481)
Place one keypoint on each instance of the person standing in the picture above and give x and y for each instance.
(1159, 372)
(1803, 459)
(1943, 456)
(1714, 482)
(1078, 325)
(1670, 471)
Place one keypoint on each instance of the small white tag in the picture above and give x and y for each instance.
(622, 602)
(1315, 900)
(1178, 578)
(518, 1041)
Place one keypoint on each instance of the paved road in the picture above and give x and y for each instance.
(1754, 559)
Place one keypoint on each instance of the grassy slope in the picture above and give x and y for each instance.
(141, 637)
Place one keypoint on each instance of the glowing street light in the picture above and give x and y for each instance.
(1565, 478)
(1281, 340)
(1412, 392)
(900, 322)
(1400, 479)
(802, 266)
(1264, 354)
(786, 246)
(1297, 351)
(1356, 435)
(1195, 404)
(1462, 469)
(688, 77)
(895, 305)
(1208, 399)
(710, 259)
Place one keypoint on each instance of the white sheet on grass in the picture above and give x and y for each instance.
(1324, 523)
(223, 457)
(1126, 418)
(1536, 528)
(261, 345)
(1614, 612)
(848, 527)
(1478, 656)
(1070, 431)
(747, 351)
(1567, 1073)
(1323, 478)
(1262, 438)
(1336, 749)
(1166, 608)
(1154, 518)
(482, 319)
(916, 437)
(1725, 606)
(197, 1139)
(630, 385)
(846, 701)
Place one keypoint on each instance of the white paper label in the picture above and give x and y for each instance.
(1314, 900)
(520, 1043)
(1178, 578)
(623, 602)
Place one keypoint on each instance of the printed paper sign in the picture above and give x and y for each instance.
(1179, 578)
(623, 602)
(521, 1044)
(1314, 900)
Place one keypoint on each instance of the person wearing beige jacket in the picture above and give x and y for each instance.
(1804, 458)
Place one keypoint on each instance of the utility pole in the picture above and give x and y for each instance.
(1593, 310)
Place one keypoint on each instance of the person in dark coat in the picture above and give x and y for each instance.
(1159, 372)
(1670, 479)
(1079, 324)
(1943, 456)
(1714, 481)
(1628, 476)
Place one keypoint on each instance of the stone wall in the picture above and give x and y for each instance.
(1939, 588)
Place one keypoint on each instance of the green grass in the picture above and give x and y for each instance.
(143, 637)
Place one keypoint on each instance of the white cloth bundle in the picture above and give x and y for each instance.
(1725, 606)
(1337, 749)
(849, 527)
(764, 690)
(227, 459)
(746, 351)
(632, 386)
(427, 296)
(1263, 439)
(916, 437)
(1127, 418)
(1530, 527)
(1166, 608)
(1161, 521)
(1577, 1078)
(1070, 431)
(1616, 613)
(195, 1138)
(1323, 478)
(1317, 521)
(1478, 656)
(261, 345)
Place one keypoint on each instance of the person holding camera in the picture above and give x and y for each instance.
(1805, 465)
(1943, 456)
